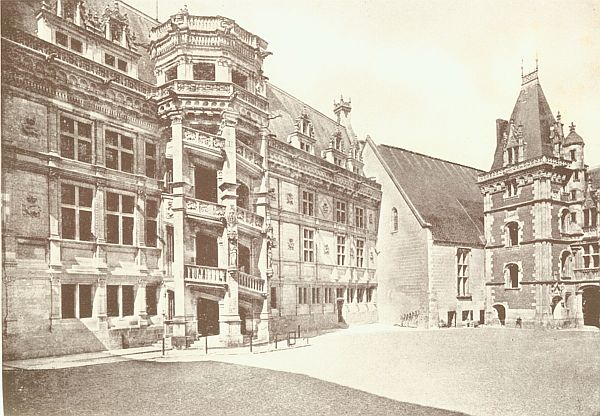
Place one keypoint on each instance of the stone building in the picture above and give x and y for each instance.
(153, 180)
(541, 219)
(431, 248)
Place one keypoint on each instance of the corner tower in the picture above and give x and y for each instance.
(533, 202)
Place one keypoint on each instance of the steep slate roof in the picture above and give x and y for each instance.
(445, 194)
(594, 174)
(290, 108)
(533, 113)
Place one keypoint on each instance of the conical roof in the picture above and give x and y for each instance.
(573, 137)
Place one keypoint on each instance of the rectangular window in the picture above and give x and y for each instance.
(76, 212)
(359, 217)
(360, 253)
(112, 300)
(339, 293)
(122, 65)
(76, 301)
(75, 139)
(76, 45)
(572, 154)
(590, 218)
(340, 212)
(273, 297)
(150, 160)
(67, 301)
(370, 291)
(151, 222)
(204, 71)
(308, 203)
(462, 265)
(573, 195)
(315, 295)
(170, 244)
(119, 151)
(349, 295)
(119, 218)
(128, 300)
(576, 176)
(309, 245)
(302, 295)
(152, 300)
(171, 73)
(62, 39)
(360, 294)
(338, 161)
(109, 60)
(341, 250)
(591, 256)
(239, 78)
(328, 293)
(511, 188)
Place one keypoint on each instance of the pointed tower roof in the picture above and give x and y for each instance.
(531, 113)
(573, 137)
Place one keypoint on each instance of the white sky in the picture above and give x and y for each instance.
(429, 76)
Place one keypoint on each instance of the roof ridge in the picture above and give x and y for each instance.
(307, 105)
(433, 157)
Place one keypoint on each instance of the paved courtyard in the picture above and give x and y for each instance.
(364, 370)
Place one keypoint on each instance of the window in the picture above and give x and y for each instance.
(573, 195)
(467, 316)
(62, 39)
(171, 74)
(349, 295)
(462, 265)
(150, 160)
(337, 161)
(71, 43)
(152, 300)
(75, 139)
(572, 154)
(511, 188)
(122, 65)
(119, 300)
(307, 147)
(302, 296)
(109, 59)
(338, 142)
(360, 253)
(151, 222)
(511, 274)
(591, 256)
(394, 219)
(309, 245)
(204, 71)
(513, 155)
(76, 45)
(370, 291)
(239, 78)
(360, 294)
(359, 217)
(339, 293)
(119, 218)
(340, 212)
(273, 297)
(512, 234)
(341, 250)
(590, 218)
(316, 295)
(76, 301)
(76, 212)
(119, 151)
(308, 203)
(576, 176)
(328, 295)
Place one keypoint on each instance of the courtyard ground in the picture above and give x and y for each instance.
(478, 371)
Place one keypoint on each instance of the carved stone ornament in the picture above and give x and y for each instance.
(370, 219)
(272, 194)
(289, 198)
(29, 126)
(169, 210)
(325, 209)
(326, 248)
(291, 244)
(31, 208)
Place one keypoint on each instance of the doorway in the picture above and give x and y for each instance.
(207, 313)
(205, 184)
(591, 306)
(207, 250)
(340, 315)
(501, 313)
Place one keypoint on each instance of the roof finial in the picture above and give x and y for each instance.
(521, 67)
(572, 127)
(536, 61)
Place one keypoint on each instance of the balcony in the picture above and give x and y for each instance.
(591, 232)
(251, 284)
(199, 140)
(250, 218)
(195, 87)
(587, 273)
(249, 155)
(197, 208)
(205, 275)
(252, 99)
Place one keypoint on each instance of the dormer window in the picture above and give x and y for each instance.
(64, 40)
(109, 60)
(204, 71)
(572, 154)
(116, 32)
(511, 188)
(307, 147)
(338, 143)
(69, 7)
(513, 155)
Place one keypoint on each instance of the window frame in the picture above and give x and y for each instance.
(120, 149)
(510, 281)
(150, 159)
(463, 257)
(340, 241)
(121, 216)
(360, 252)
(394, 219)
(77, 301)
(308, 203)
(76, 137)
(77, 208)
(359, 217)
(151, 222)
(509, 230)
(308, 245)
(341, 209)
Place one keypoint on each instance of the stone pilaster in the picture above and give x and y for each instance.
(140, 303)
(99, 306)
(54, 213)
(579, 309)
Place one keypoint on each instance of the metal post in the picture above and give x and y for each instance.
(206, 345)
(298, 331)
(251, 336)
(275, 341)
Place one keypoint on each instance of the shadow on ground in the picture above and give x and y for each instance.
(140, 388)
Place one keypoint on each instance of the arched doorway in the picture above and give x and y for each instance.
(500, 313)
(591, 305)
(557, 307)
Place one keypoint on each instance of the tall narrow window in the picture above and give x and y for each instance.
(308, 203)
(511, 273)
(119, 151)
(150, 160)
(152, 300)
(511, 188)
(462, 265)
(512, 234)
(151, 222)
(359, 217)
(309, 245)
(75, 139)
(76, 212)
(591, 256)
(360, 253)
(394, 219)
(273, 297)
(341, 250)
(112, 300)
(360, 294)
(119, 218)
(340, 212)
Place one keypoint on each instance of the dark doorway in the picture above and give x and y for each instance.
(501, 312)
(207, 250)
(340, 305)
(205, 184)
(244, 259)
(243, 196)
(591, 306)
(170, 304)
(451, 319)
(207, 312)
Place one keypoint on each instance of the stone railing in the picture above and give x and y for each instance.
(253, 283)
(252, 99)
(205, 274)
(250, 218)
(201, 208)
(591, 232)
(249, 154)
(202, 139)
(587, 274)
(49, 49)
(214, 88)
(522, 165)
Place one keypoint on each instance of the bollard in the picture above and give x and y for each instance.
(251, 336)
(298, 331)
(163, 346)
(275, 341)
(206, 345)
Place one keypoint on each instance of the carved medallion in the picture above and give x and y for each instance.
(291, 244)
(31, 208)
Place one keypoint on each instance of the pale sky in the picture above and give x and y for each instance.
(428, 76)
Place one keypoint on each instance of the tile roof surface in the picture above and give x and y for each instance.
(444, 193)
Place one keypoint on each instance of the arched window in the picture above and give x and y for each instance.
(243, 200)
(566, 265)
(511, 275)
(394, 219)
(512, 234)
(564, 221)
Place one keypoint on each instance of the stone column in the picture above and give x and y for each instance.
(99, 224)
(579, 308)
(178, 232)
(99, 306)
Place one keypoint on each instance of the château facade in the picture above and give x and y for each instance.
(153, 180)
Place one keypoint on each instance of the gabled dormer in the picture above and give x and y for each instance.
(303, 136)
(102, 37)
(335, 152)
